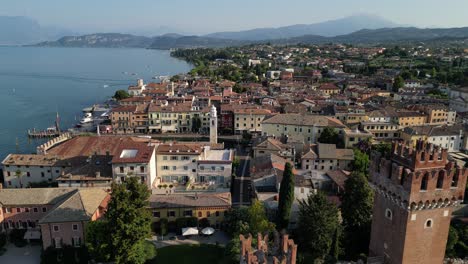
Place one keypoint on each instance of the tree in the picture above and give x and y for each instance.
(258, 221)
(286, 196)
(98, 241)
(329, 136)
(398, 83)
(384, 148)
(361, 162)
(237, 221)
(356, 210)
(318, 221)
(121, 94)
(129, 221)
(335, 249)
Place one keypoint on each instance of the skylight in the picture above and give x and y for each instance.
(128, 153)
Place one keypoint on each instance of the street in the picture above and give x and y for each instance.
(242, 189)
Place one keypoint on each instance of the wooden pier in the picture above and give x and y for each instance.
(43, 133)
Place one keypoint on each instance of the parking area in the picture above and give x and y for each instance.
(219, 238)
(30, 254)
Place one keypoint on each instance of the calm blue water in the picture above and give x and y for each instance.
(35, 83)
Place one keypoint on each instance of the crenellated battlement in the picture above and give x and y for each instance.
(282, 252)
(420, 175)
(424, 155)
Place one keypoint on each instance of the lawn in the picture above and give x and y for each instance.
(190, 254)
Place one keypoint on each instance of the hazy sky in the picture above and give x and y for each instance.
(203, 16)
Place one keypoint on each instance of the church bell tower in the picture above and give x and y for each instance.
(213, 126)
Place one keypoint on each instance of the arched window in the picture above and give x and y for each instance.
(388, 214)
(424, 182)
(455, 180)
(428, 223)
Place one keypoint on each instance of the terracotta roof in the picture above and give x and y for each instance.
(124, 108)
(87, 146)
(30, 160)
(339, 177)
(329, 151)
(304, 120)
(33, 196)
(252, 111)
(133, 153)
(180, 148)
(190, 200)
(80, 206)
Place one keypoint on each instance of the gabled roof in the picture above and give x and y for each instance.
(80, 206)
(304, 120)
(190, 200)
(33, 196)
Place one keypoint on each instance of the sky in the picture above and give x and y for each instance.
(206, 16)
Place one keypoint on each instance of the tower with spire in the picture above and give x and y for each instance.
(213, 126)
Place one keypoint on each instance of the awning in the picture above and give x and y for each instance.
(189, 231)
(208, 231)
(32, 234)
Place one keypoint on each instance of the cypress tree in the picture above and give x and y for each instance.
(286, 196)
(356, 210)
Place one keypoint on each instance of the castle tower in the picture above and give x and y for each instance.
(415, 193)
(213, 126)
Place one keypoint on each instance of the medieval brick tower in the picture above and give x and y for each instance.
(416, 190)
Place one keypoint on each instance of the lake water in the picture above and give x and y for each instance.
(36, 83)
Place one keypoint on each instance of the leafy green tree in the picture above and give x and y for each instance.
(361, 162)
(329, 136)
(318, 221)
(258, 221)
(356, 210)
(384, 148)
(286, 196)
(121, 94)
(237, 221)
(129, 221)
(98, 241)
(398, 83)
(451, 242)
(335, 249)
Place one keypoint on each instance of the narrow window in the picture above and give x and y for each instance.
(440, 180)
(424, 182)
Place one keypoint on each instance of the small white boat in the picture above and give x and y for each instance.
(88, 118)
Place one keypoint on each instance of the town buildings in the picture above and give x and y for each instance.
(55, 216)
(299, 127)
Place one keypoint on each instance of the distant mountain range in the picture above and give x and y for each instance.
(17, 30)
(168, 41)
(363, 29)
(330, 28)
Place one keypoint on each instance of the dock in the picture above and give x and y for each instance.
(43, 133)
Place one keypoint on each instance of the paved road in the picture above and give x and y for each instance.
(242, 190)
